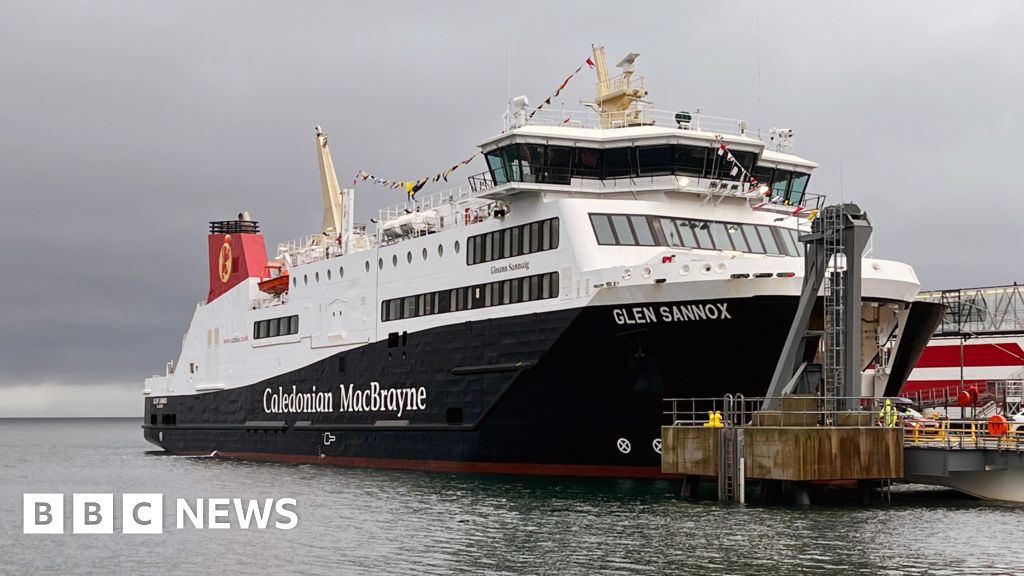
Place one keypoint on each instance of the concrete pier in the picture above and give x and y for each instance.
(796, 454)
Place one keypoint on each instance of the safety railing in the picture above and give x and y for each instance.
(309, 249)
(576, 182)
(434, 201)
(992, 432)
(739, 410)
(641, 115)
(1005, 394)
(995, 433)
(807, 203)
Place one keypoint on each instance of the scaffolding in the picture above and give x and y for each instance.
(979, 311)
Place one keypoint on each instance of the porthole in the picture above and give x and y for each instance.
(456, 246)
(684, 269)
(424, 252)
(328, 274)
(706, 269)
(380, 263)
(647, 271)
(305, 279)
(341, 272)
(408, 257)
(721, 267)
(295, 281)
(394, 260)
(367, 265)
(440, 250)
(317, 277)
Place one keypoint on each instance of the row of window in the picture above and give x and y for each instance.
(497, 293)
(639, 230)
(789, 186)
(510, 242)
(283, 326)
(559, 164)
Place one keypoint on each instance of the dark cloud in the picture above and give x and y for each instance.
(126, 126)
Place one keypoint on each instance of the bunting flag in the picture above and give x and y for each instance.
(411, 187)
(547, 101)
(736, 168)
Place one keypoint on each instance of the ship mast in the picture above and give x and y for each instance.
(333, 196)
(617, 98)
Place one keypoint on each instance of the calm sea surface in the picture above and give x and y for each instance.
(383, 522)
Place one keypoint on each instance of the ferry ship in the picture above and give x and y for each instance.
(532, 321)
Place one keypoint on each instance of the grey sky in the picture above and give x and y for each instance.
(126, 126)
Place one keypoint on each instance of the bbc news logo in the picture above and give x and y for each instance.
(144, 513)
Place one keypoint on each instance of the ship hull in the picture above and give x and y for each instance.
(568, 392)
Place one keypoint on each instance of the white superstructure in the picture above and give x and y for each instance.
(607, 207)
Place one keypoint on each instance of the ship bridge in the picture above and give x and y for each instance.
(620, 143)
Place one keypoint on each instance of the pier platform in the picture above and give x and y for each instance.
(805, 441)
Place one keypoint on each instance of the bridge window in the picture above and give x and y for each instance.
(510, 154)
(545, 164)
(497, 167)
(656, 160)
(796, 188)
(588, 163)
(559, 164)
(619, 163)
(780, 183)
(690, 160)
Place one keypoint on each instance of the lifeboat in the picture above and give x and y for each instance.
(274, 279)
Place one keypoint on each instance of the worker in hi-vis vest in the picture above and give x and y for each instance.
(888, 415)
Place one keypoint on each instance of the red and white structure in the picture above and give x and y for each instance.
(980, 339)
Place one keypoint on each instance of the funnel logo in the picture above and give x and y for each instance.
(224, 261)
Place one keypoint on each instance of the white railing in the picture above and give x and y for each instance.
(434, 201)
(642, 115)
(308, 249)
(621, 83)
